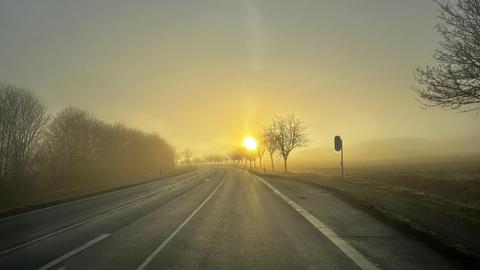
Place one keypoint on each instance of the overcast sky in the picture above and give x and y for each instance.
(203, 73)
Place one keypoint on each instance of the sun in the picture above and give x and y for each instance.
(250, 143)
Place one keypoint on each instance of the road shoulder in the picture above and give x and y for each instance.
(367, 230)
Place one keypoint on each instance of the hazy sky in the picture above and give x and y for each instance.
(203, 73)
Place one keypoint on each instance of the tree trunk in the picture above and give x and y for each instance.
(285, 164)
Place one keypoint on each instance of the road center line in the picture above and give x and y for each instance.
(74, 252)
(360, 260)
(169, 238)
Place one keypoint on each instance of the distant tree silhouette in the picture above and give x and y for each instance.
(177, 157)
(187, 154)
(198, 160)
(261, 149)
(225, 159)
(217, 159)
(269, 139)
(290, 133)
(237, 155)
(231, 156)
(251, 157)
(454, 82)
(209, 158)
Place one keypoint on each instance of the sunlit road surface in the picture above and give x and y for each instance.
(211, 218)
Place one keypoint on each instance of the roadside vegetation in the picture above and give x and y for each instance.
(40, 153)
(455, 183)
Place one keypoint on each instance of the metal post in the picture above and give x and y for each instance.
(339, 147)
(341, 162)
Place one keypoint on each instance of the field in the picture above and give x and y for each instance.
(457, 182)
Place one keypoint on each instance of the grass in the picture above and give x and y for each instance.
(452, 184)
(52, 198)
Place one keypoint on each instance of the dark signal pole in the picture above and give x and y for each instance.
(339, 148)
(341, 162)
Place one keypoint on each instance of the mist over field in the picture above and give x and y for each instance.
(394, 151)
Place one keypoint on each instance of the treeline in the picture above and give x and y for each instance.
(71, 149)
(278, 136)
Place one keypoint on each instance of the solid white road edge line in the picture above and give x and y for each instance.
(165, 242)
(74, 252)
(360, 260)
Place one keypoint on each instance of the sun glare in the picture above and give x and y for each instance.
(250, 143)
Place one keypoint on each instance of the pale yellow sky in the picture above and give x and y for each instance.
(205, 73)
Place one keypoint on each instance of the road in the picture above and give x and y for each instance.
(211, 218)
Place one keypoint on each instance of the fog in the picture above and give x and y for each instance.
(393, 151)
(213, 133)
(171, 67)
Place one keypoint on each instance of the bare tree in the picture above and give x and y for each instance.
(237, 155)
(177, 156)
(269, 138)
(23, 118)
(261, 149)
(68, 147)
(231, 155)
(454, 83)
(225, 158)
(290, 134)
(187, 154)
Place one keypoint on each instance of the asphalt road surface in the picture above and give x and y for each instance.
(211, 218)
